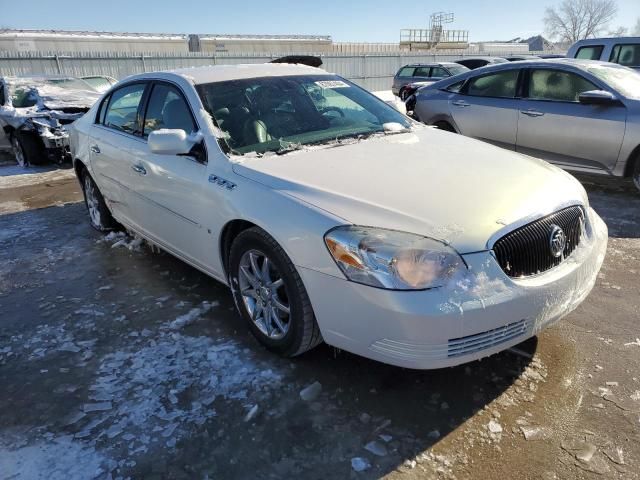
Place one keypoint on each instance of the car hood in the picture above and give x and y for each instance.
(429, 182)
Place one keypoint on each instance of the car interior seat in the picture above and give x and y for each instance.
(176, 115)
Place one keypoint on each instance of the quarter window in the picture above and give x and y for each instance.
(557, 85)
(167, 109)
(627, 55)
(500, 84)
(122, 111)
(455, 88)
(439, 72)
(592, 52)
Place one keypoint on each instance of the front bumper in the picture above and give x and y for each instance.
(478, 316)
(56, 147)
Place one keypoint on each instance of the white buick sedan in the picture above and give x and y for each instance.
(332, 217)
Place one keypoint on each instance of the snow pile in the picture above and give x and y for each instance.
(192, 316)
(36, 178)
(123, 240)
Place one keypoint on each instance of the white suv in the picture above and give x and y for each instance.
(622, 50)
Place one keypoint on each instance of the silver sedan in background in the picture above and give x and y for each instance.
(579, 114)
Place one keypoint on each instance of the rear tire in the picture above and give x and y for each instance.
(27, 149)
(259, 296)
(99, 213)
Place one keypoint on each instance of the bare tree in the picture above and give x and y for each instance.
(618, 32)
(575, 20)
(636, 29)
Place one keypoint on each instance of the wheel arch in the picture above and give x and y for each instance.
(633, 159)
(228, 234)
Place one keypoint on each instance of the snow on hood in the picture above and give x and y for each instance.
(434, 183)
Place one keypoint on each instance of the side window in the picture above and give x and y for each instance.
(439, 72)
(501, 84)
(591, 52)
(122, 111)
(103, 110)
(167, 109)
(627, 55)
(406, 72)
(557, 85)
(422, 72)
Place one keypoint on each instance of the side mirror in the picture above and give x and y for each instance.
(597, 97)
(172, 142)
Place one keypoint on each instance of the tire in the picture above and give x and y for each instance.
(99, 214)
(401, 94)
(635, 176)
(294, 332)
(28, 149)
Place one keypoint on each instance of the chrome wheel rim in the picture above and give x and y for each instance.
(92, 201)
(18, 153)
(264, 294)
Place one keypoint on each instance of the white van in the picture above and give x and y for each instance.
(622, 50)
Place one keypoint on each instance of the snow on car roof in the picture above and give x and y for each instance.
(220, 73)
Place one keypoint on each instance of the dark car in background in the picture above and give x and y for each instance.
(424, 74)
(476, 62)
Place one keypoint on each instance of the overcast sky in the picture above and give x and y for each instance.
(344, 20)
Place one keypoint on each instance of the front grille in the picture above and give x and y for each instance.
(481, 341)
(526, 251)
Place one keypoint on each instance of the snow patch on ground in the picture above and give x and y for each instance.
(192, 316)
(60, 459)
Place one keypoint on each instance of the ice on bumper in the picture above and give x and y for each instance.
(477, 314)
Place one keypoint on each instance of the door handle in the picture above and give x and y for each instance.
(95, 149)
(532, 113)
(460, 103)
(139, 169)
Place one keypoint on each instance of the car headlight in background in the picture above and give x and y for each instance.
(392, 260)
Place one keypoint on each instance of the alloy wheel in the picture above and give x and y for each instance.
(264, 294)
(92, 201)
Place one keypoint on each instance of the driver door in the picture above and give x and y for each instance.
(173, 197)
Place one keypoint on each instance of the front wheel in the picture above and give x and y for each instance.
(27, 149)
(270, 296)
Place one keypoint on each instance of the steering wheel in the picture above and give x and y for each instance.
(332, 109)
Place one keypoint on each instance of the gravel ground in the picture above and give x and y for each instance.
(116, 361)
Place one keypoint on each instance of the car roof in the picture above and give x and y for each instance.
(220, 73)
(608, 39)
(429, 64)
(490, 58)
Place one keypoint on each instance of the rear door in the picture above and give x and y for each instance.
(554, 126)
(487, 107)
(402, 78)
(115, 137)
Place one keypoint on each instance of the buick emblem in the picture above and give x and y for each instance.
(557, 241)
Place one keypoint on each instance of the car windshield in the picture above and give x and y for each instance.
(623, 79)
(24, 91)
(457, 69)
(285, 113)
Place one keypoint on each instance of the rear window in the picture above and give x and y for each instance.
(591, 52)
(406, 72)
(627, 55)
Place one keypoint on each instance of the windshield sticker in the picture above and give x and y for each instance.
(332, 84)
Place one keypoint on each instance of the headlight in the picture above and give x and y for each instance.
(392, 260)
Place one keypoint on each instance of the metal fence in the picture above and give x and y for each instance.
(371, 71)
